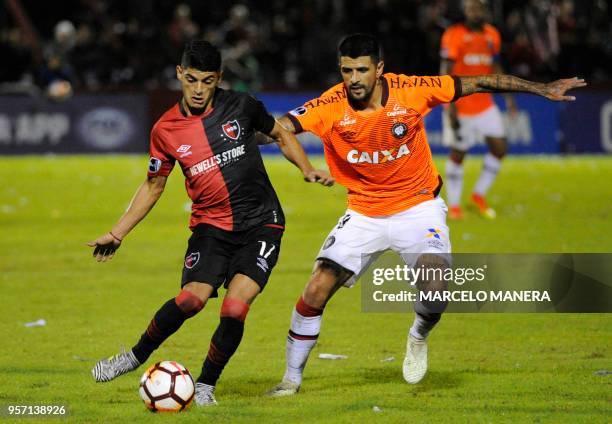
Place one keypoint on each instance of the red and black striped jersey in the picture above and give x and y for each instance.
(220, 158)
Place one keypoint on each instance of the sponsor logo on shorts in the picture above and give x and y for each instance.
(433, 232)
(232, 129)
(192, 259)
(328, 243)
(436, 244)
(263, 264)
(154, 165)
(342, 221)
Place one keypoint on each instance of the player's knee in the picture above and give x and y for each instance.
(189, 302)
(326, 277)
(457, 156)
(339, 273)
(234, 308)
(498, 148)
(434, 266)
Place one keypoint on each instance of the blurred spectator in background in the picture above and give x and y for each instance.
(239, 39)
(275, 44)
(56, 75)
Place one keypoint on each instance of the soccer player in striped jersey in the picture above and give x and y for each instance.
(236, 219)
(375, 145)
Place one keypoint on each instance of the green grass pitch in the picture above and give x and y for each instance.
(483, 367)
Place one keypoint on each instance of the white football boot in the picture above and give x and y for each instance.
(415, 362)
(284, 388)
(111, 368)
(205, 395)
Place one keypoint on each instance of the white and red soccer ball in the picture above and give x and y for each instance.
(167, 387)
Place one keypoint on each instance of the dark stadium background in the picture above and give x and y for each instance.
(280, 45)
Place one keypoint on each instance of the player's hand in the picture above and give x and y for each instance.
(104, 247)
(556, 90)
(319, 176)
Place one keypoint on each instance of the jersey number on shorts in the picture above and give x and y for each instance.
(262, 251)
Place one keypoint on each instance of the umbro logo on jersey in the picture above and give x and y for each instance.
(184, 150)
(382, 156)
(232, 129)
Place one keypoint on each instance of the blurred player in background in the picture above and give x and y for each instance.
(236, 218)
(472, 48)
(375, 145)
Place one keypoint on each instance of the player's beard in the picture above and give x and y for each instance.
(366, 95)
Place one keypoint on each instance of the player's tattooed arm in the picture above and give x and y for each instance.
(498, 83)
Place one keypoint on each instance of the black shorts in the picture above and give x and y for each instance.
(214, 255)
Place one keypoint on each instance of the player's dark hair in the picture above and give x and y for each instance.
(201, 55)
(356, 45)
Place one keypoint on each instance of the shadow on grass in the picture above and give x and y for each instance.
(321, 384)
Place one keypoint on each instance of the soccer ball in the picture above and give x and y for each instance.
(167, 386)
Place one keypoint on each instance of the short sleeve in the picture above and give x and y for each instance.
(437, 89)
(448, 47)
(160, 162)
(307, 118)
(261, 119)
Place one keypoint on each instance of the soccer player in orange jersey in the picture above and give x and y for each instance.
(472, 48)
(375, 145)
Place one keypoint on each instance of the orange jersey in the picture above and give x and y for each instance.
(381, 157)
(473, 53)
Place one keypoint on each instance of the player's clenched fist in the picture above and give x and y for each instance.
(105, 247)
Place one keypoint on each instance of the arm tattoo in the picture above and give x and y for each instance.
(499, 84)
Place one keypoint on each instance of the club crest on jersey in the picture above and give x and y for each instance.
(399, 130)
(232, 129)
(192, 259)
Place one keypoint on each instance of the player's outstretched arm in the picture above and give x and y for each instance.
(293, 151)
(145, 198)
(510, 84)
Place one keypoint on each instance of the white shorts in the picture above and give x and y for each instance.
(358, 240)
(473, 129)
